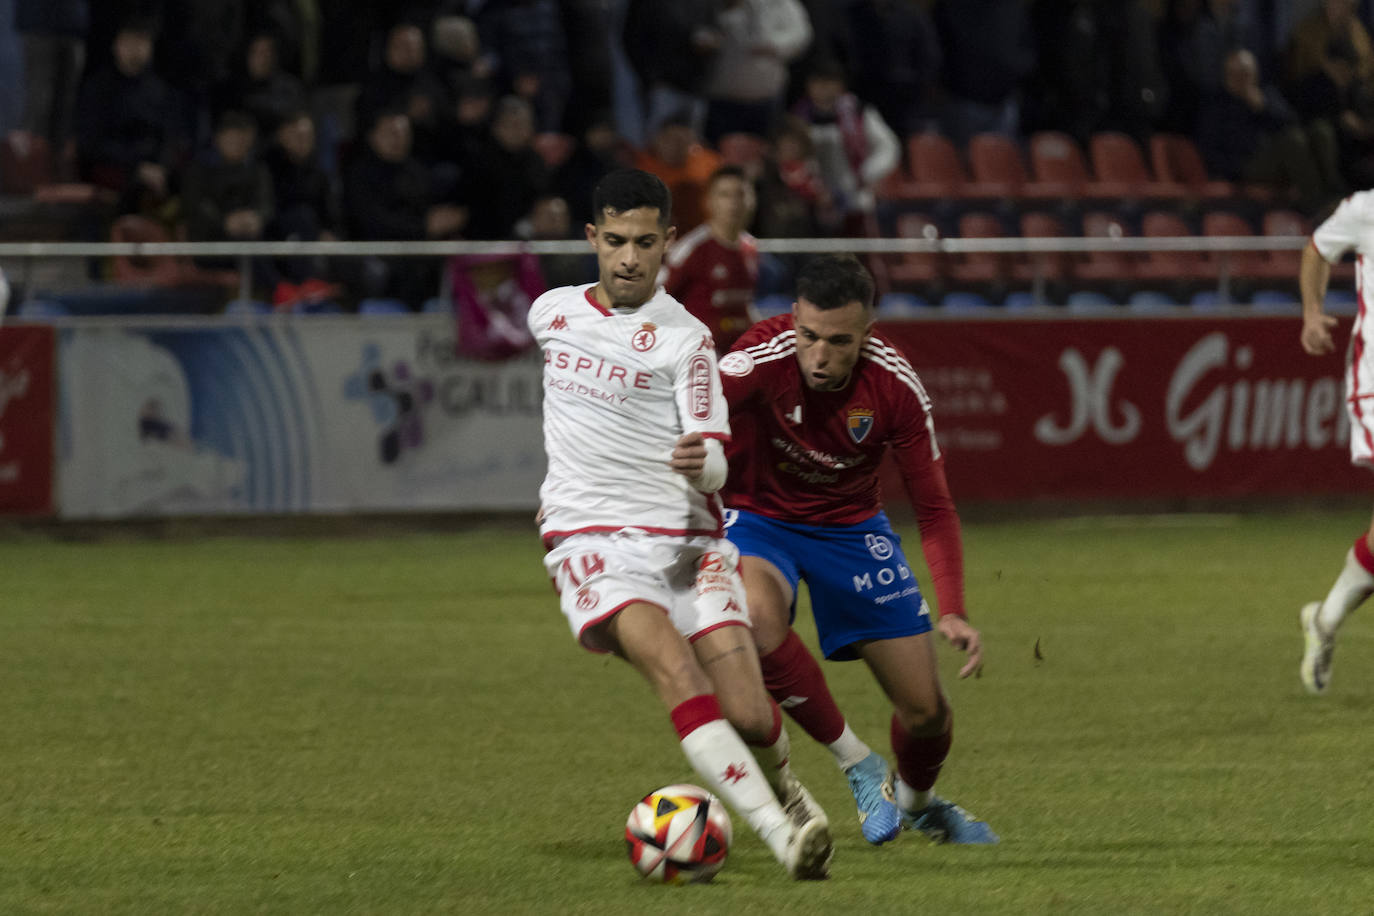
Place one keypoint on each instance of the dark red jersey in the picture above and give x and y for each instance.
(812, 457)
(715, 282)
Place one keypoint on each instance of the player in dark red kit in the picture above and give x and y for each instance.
(816, 400)
(713, 269)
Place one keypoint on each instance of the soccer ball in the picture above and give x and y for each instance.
(678, 835)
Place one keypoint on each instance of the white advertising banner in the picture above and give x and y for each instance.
(347, 414)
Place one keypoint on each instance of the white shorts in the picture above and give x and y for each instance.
(1359, 402)
(695, 580)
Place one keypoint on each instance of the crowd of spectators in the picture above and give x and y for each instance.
(328, 119)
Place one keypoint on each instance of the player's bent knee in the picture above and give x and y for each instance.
(924, 717)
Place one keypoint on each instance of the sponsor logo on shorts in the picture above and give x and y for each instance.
(587, 599)
(879, 546)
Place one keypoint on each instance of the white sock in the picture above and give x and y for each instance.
(909, 799)
(848, 748)
(773, 761)
(723, 760)
(1352, 586)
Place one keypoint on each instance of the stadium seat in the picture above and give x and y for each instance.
(382, 306)
(247, 307)
(1046, 265)
(1166, 264)
(554, 148)
(961, 300)
(979, 266)
(1276, 300)
(26, 162)
(1148, 300)
(916, 267)
(435, 305)
(161, 271)
(1208, 299)
(1104, 266)
(316, 307)
(1087, 300)
(1058, 166)
(773, 304)
(1245, 264)
(1341, 301)
(902, 305)
(1019, 299)
(1175, 158)
(1119, 170)
(1283, 264)
(42, 308)
(996, 165)
(937, 173)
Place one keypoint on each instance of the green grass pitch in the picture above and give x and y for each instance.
(403, 724)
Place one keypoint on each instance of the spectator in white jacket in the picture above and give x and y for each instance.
(854, 146)
(746, 86)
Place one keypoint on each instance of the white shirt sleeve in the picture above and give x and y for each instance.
(1345, 229)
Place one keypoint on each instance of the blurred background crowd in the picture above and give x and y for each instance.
(493, 119)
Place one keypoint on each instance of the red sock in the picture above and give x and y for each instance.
(1363, 555)
(919, 759)
(690, 715)
(794, 679)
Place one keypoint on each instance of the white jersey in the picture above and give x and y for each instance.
(1351, 228)
(620, 387)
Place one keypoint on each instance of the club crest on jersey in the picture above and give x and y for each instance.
(644, 338)
(860, 422)
(559, 323)
(736, 363)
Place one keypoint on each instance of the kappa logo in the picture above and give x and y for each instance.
(587, 598)
(734, 773)
(712, 562)
(559, 323)
(794, 416)
(732, 607)
(860, 422)
(644, 339)
(706, 343)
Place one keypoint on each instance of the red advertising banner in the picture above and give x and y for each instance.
(1157, 407)
(27, 412)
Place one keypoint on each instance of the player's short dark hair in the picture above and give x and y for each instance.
(630, 189)
(832, 281)
(728, 171)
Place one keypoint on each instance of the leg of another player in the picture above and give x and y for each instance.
(728, 657)
(793, 677)
(1320, 620)
(922, 732)
(791, 674)
(645, 637)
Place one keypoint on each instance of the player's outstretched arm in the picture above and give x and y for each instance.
(1313, 278)
(965, 638)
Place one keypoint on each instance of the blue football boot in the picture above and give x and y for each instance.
(872, 783)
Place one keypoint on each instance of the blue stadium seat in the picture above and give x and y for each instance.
(1090, 300)
(378, 306)
(434, 305)
(1205, 299)
(42, 308)
(247, 307)
(902, 305)
(1149, 300)
(321, 307)
(773, 304)
(1275, 300)
(1019, 299)
(962, 301)
(1340, 301)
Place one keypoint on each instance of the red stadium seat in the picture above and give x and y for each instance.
(1176, 158)
(979, 267)
(1104, 266)
(915, 268)
(1058, 165)
(1171, 265)
(997, 166)
(1120, 171)
(937, 171)
(129, 270)
(1284, 264)
(1044, 265)
(26, 162)
(1247, 264)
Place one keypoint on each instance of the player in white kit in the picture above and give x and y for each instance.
(1349, 228)
(634, 424)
